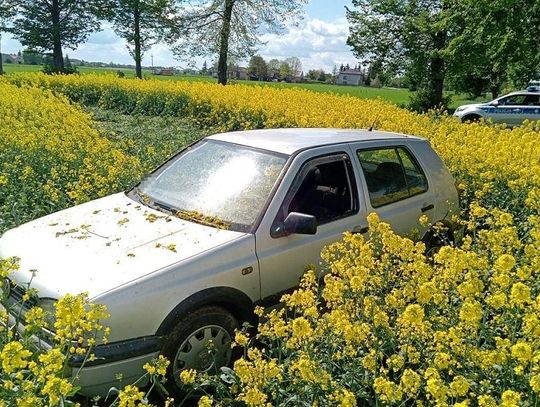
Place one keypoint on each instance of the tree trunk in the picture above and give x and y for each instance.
(224, 42)
(495, 85)
(437, 70)
(437, 81)
(58, 58)
(1, 61)
(137, 40)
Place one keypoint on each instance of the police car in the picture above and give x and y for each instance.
(511, 109)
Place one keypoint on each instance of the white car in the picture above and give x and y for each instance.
(511, 109)
(228, 223)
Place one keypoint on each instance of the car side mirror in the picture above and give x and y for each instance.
(495, 103)
(300, 223)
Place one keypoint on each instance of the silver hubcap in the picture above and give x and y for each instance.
(208, 348)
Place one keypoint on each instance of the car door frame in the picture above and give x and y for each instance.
(425, 202)
(266, 245)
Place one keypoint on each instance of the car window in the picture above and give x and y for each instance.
(391, 175)
(532, 100)
(415, 178)
(216, 182)
(325, 188)
(513, 100)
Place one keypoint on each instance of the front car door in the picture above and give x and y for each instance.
(510, 110)
(321, 182)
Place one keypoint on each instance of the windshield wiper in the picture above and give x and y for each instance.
(197, 217)
(151, 202)
(190, 216)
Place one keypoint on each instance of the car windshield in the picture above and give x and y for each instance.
(215, 183)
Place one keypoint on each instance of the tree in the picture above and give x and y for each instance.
(67, 62)
(32, 57)
(335, 73)
(229, 27)
(296, 66)
(257, 67)
(273, 68)
(407, 35)
(285, 71)
(313, 74)
(51, 25)
(8, 10)
(496, 43)
(204, 69)
(141, 23)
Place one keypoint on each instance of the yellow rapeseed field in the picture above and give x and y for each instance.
(389, 327)
(51, 157)
(487, 154)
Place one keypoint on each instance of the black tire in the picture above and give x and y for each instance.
(186, 345)
(472, 118)
(434, 240)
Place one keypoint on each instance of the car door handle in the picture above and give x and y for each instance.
(427, 208)
(360, 229)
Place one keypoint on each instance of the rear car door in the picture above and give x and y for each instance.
(321, 182)
(531, 108)
(396, 186)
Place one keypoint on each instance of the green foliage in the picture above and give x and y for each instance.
(50, 69)
(140, 23)
(496, 42)
(51, 26)
(257, 67)
(151, 139)
(421, 101)
(402, 36)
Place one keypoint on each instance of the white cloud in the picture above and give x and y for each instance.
(318, 44)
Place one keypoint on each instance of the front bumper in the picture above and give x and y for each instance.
(114, 365)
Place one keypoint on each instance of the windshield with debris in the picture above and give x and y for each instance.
(225, 182)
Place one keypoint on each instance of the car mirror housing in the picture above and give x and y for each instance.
(300, 223)
(495, 103)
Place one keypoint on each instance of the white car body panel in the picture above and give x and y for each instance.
(104, 244)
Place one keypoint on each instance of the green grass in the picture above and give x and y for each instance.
(399, 97)
(13, 68)
(152, 139)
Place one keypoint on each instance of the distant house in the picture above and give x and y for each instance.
(164, 71)
(240, 73)
(353, 77)
(11, 58)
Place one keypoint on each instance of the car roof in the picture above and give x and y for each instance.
(522, 92)
(290, 141)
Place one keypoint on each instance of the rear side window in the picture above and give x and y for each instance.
(391, 174)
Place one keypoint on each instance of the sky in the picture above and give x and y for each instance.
(319, 41)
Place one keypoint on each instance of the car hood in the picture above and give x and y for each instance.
(102, 244)
(471, 105)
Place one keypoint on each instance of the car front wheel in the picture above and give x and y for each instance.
(471, 118)
(200, 341)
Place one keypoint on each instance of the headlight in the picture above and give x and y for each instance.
(48, 305)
